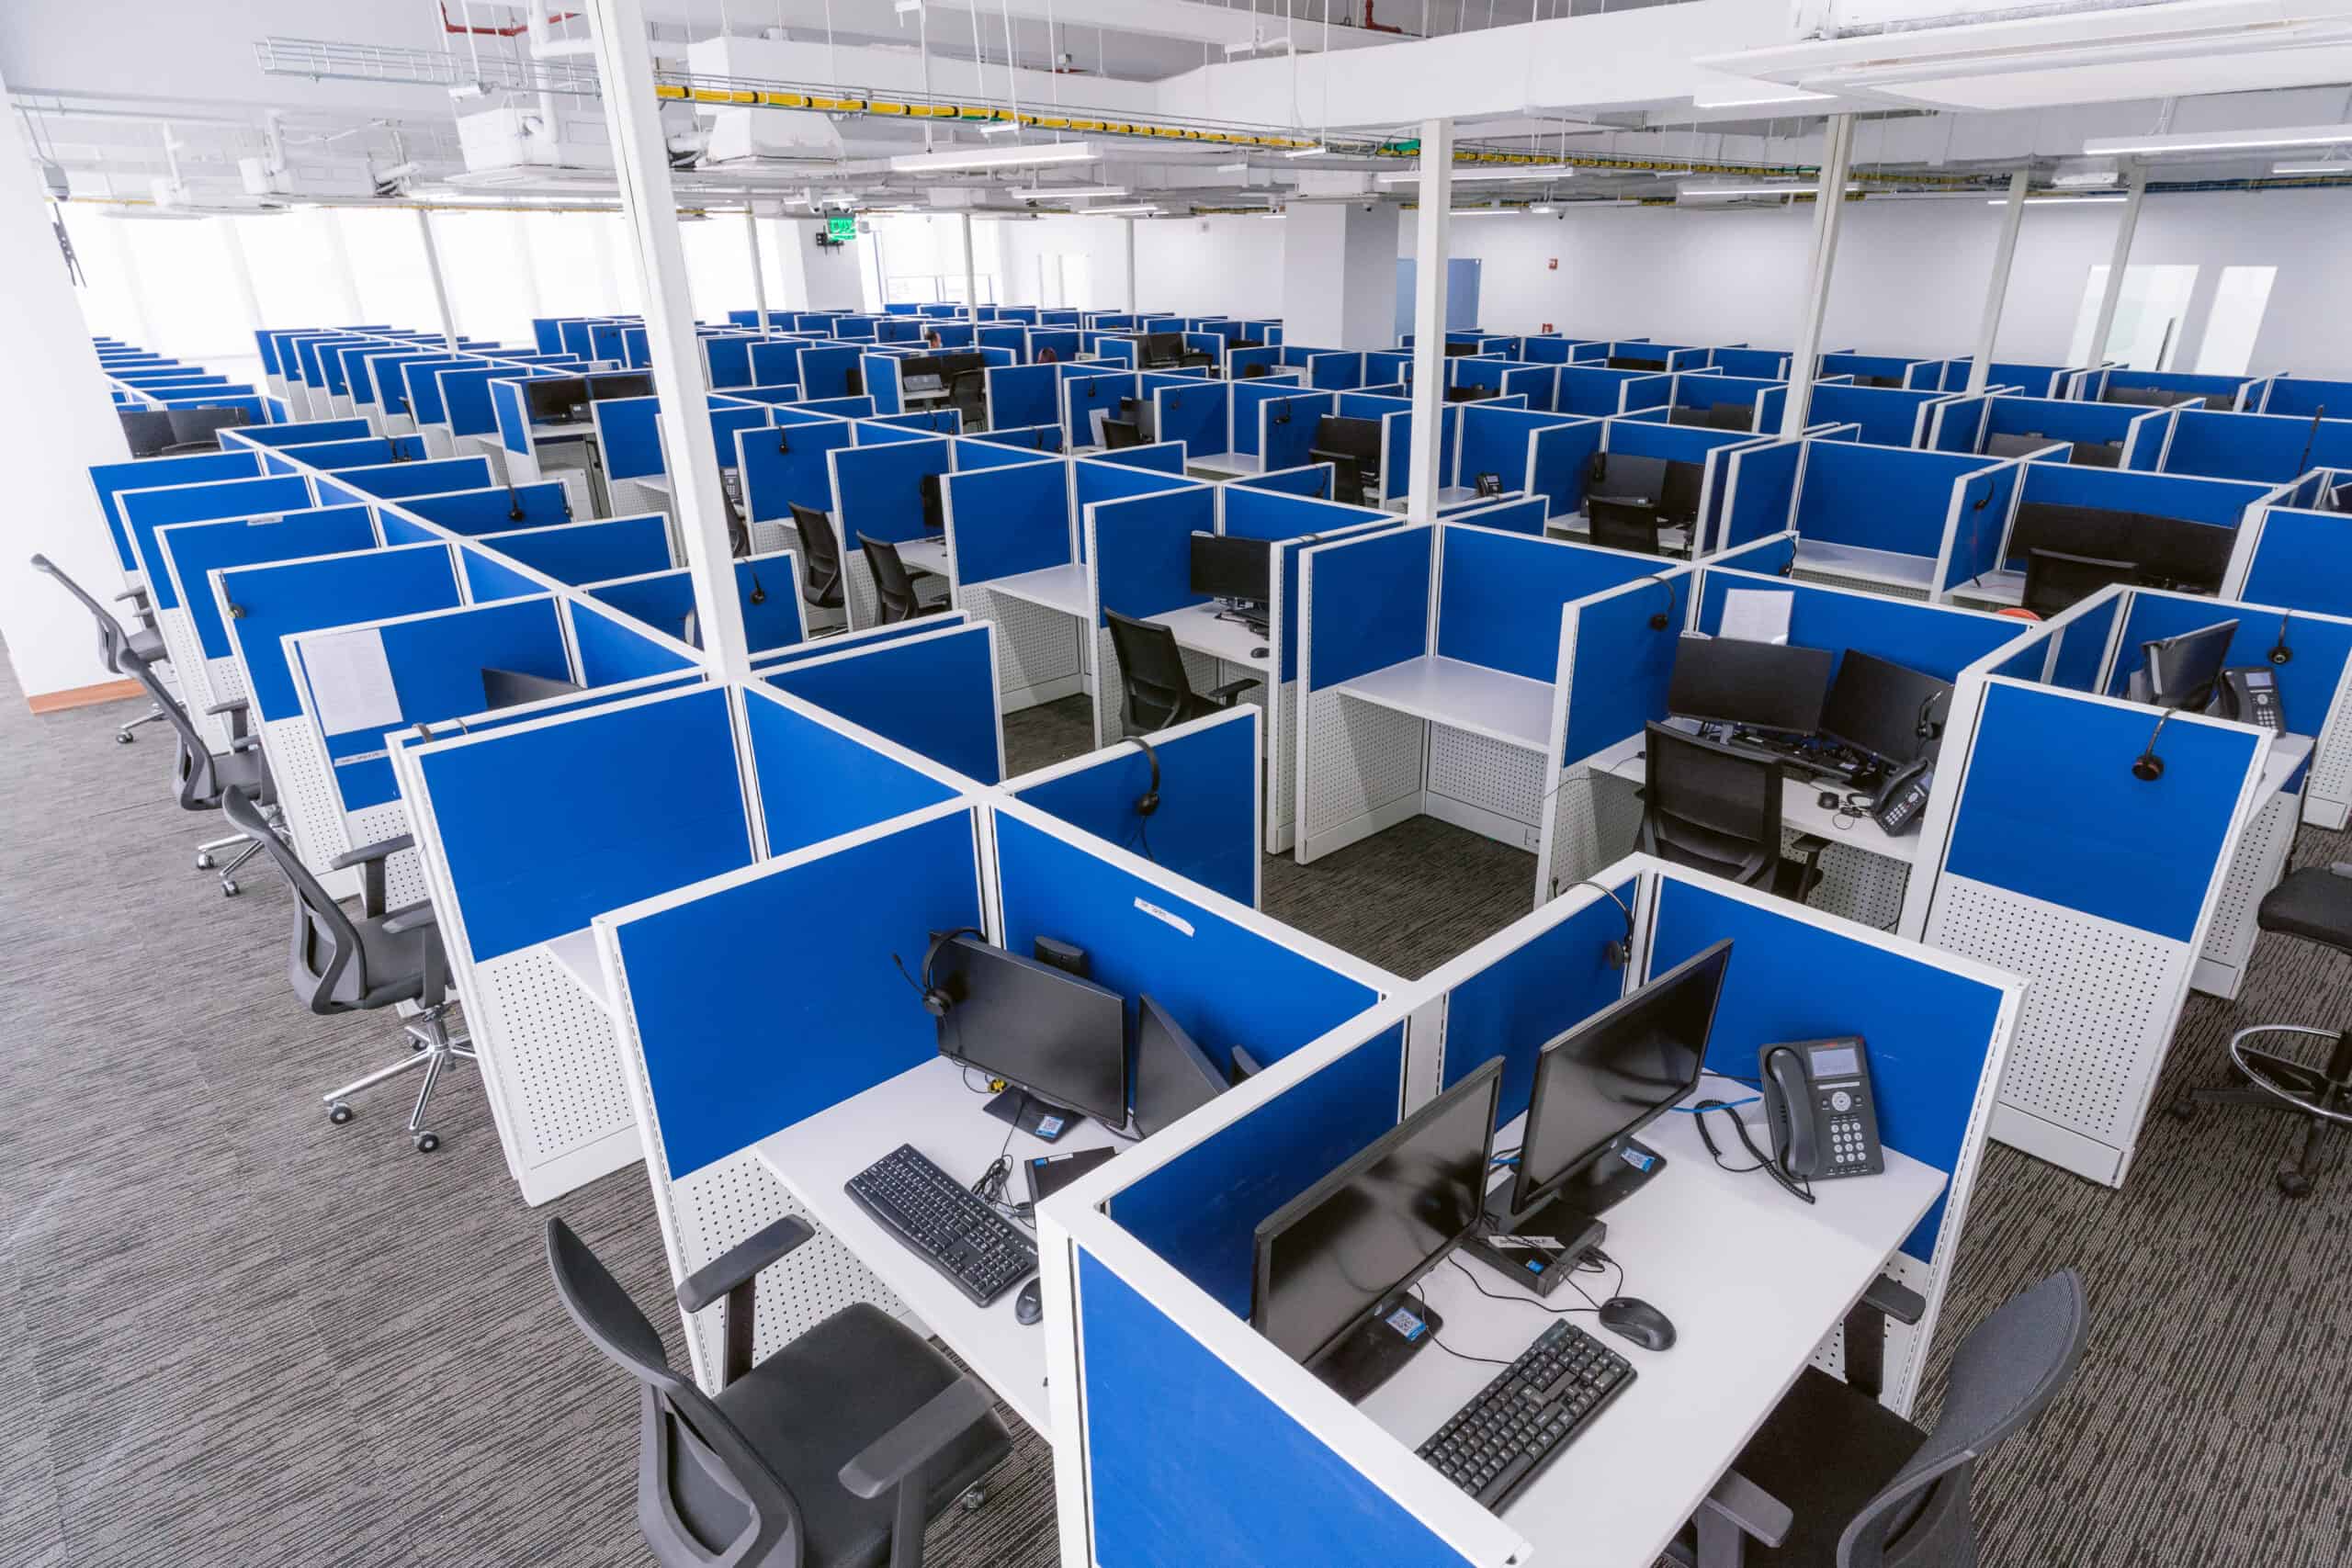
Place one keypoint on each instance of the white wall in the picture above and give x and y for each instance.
(1194, 267)
(1911, 275)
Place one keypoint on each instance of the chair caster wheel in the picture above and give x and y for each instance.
(2293, 1183)
(228, 888)
(338, 1113)
(425, 1142)
(124, 738)
(970, 1502)
(2183, 1108)
(203, 860)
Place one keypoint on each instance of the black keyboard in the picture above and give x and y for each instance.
(1518, 1424)
(944, 1223)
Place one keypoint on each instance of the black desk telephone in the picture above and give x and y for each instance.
(1819, 1108)
(2250, 695)
(1900, 799)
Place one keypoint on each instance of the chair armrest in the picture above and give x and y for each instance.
(371, 858)
(1866, 1330)
(1223, 696)
(1809, 844)
(237, 708)
(1736, 1511)
(244, 742)
(1898, 1302)
(137, 593)
(901, 1453)
(734, 1275)
(416, 917)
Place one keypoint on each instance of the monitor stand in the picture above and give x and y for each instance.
(1041, 1119)
(1570, 1216)
(1378, 1350)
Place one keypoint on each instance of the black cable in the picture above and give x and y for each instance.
(1528, 1301)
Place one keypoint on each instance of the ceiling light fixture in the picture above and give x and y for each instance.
(1317, 150)
(1067, 193)
(2219, 140)
(1131, 209)
(2061, 201)
(2332, 166)
(999, 128)
(1481, 172)
(994, 158)
(1706, 191)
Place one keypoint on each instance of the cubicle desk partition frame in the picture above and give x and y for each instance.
(1141, 1353)
(1042, 651)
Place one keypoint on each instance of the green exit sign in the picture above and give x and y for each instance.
(841, 231)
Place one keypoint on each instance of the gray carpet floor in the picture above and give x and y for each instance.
(231, 1333)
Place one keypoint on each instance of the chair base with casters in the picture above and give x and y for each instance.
(209, 852)
(122, 732)
(432, 1047)
(2314, 904)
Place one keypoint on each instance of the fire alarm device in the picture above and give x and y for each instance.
(1552, 264)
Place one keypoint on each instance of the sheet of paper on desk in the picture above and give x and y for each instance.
(1755, 615)
(351, 682)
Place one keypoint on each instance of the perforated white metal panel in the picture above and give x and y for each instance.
(404, 877)
(192, 675)
(1484, 772)
(487, 446)
(1858, 585)
(1033, 645)
(1859, 885)
(2331, 769)
(1903, 1353)
(2262, 854)
(630, 498)
(1281, 759)
(857, 580)
(767, 537)
(1359, 756)
(437, 441)
(227, 678)
(1596, 817)
(1110, 687)
(313, 808)
(554, 1051)
(2097, 1017)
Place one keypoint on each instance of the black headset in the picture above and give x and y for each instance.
(2279, 652)
(1148, 801)
(1662, 619)
(936, 1000)
(1620, 952)
(514, 503)
(2148, 765)
(782, 443)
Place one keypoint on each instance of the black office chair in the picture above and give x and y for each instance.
(115, 638)
(1151, 669)
(1121, 433)
(149, 431)
(833, 1452)
(1622, 524)
(968, 394)
(2314, 904)
(894, 585)
(198, 430)
(2096, 454)
(383, 958)
(2055, 579)
(1347, 475)
(1837, 1479)
(1256, 368)
(202, 777)
(821, 549)
(1717, 810)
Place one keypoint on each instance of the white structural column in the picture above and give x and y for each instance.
(440, 284)
(1996, 292)
(55, 420)
(2117, 265)
(339, 267)
(1340, 273)
(641, 158)
(759, 273)
(1431, 228)
(971, 274)
(1828, 215)
(1134, 303)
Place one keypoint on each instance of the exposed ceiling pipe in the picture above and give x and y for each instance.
(529, 27)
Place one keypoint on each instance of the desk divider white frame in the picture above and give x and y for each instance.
(1043, 656)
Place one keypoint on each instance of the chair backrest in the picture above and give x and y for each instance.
(893, 588)
(194, 777)
(1710, 808)
(1118, 433)
(820, 547)
(1151, 668)
(2003, 1375)
(326, 951)
(1347, 474)
(717, 1501)
(1254, 369)
(149, 431)
(2055, 579)
(970, 393)
(111, 640)
(198, 430)
(934, 501)
(1622, 524)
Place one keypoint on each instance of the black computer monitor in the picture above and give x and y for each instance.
(1470, 394)
(1757, 686)
(913, 367)
(2018, 446)
(1622, 476)
(1460, 350)
(1359, 438)
(1732, 416)
(1163, 348)
(556, 400)
(1172, 1074)
(1680, 489)
(1347, 476)
(2179, 671)
(1882, 709)
(1058, 1039)
(1330, 1264)
(1226, 566)
(1624, 362)
(621, 384)
(149, 431)
(1602, 1082)
(198, 427)
(512, 688)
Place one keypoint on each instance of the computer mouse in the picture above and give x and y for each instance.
(1030, 1304)
(1630, 1317)
(1258, 653)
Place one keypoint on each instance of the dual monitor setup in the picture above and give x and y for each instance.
(931, 375)
(564, 400)
(1715, 417)
(1352, 448)
(2072, 552)
(2082, 454)
(1629, 499)
(1237, 572)
(1871, 727)
(152, 433)
(2191, 673)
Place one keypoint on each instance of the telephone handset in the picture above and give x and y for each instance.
(1902, 797)
(2250, 695)
(1820, 1109)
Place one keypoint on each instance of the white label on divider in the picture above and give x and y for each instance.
(1157, 913)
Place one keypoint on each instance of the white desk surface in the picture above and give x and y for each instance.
(1801, 807)
(2288, 752)
(576, 951)
(929, 1106)
(1510, 708)
(1675, 540)
(2003, 587)
(1060, 587)
(1447, 495)
(583, 431)
(1199, 628)
(1751, 1279)
(1237, 464)
(1892, 567)
(924, 555)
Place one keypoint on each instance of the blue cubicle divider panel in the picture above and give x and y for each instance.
(1774, 555)
(591, 552)
(1374, 594)
(878, 490)
(491, 511)
(1196, 414)
(882, 429)
(2304, 561)
(1984, 504)
(308, 433)
(1622, 664)
(1008, 520)
(2134, 850)
(1154, 1390)
(1024, 394)
(460, 395)
(2220, 502)
(399, 529)
(859, 406)
(2255, 446)
(1888, 415)
(611, 651)
(2082, 646)
(1499, 596)
(826, 1016)
(1205, 827)
(145, 511)
(669, 814)
(2305, 395)
(511, 414)
(730, 359)
(1396, 450)
(1935, 639)
(1927, 1029)
(1162, 458)
(788, 464)
(302, 595)
(192, 550)
(934, 695)
(1143, 548)
(396, 480)
(1062, 342)
(1531, 995)
(1094, 478)
(363, 452)
(817, 783)
(1882, 498)
(629, 433)
(663, 599)
(1498, 442)
(1563, 457)
(490, 577)
(842, 642)
(2319, 647)
(1087, 392)
(1275, 420)
(1002, 448)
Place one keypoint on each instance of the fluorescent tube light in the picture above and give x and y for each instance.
(970, 158)
(2220, 140)
(1486, 171)
(2060, 200)
(1542, 209)
(1755, 190)
(1317, 150)
(1132, 210)
(1000, 128)
(1067, 193)
(2333, 166)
